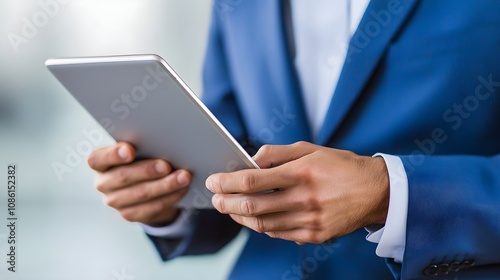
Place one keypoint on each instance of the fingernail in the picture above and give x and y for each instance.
(160, 167)
(209, 183)
(182, 179)
(216, 200)
(123, 153)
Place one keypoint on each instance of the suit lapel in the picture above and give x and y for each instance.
(282, 70)
(366, 48)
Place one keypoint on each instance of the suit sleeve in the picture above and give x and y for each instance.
(453, 216)
(218, 90)
(210, 230)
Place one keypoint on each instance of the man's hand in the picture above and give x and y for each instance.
(322, 193)
(144, 191)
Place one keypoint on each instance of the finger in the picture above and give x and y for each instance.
(274, 155)
(250, 181)
(104, 158)
(300, 236)
(251, 205)
(282, 221)
(149, 190)
(126, 175)
(147, 213)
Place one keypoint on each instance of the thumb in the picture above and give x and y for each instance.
(269, 156)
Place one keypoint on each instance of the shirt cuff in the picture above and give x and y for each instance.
(179, 228)
(391, 238)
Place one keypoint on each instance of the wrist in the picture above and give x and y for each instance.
(379, 190)
(166, 218)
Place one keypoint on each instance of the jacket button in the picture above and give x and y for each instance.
(431, 270)
(467, 264)
(443, 268)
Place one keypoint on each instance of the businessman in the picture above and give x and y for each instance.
(377, 121)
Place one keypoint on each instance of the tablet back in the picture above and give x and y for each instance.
(141, 100)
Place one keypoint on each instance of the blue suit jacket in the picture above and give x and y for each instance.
(421, 80)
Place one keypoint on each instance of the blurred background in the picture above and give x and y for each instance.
(63, 230)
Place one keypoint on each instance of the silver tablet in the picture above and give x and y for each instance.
(141, 100)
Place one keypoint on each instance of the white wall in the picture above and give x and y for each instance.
(64, 231)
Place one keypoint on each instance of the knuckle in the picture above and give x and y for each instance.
(142, 193)
(148, 168)
(169, 184)
(99, 187)
(109, 201)
(219, 203)
(166, 185)
(315, 221)
(300, 144)
(247, 182)
(121, 176)
(248, 206)
(316, 240)
(306, 173)
(350, 154)
(274, 234)
(100, 184)
(266, 150)
(311, 203)
(156, 207)
(128, 215)
(271, 234)
(259, 225)
(314, 237)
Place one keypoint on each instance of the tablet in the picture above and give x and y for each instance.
(141, 100)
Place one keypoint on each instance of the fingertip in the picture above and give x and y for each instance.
(258, 153)
(261, 162)
(92, 159)
(216, 202)
(261, 158)
(183, 178)
(211, 182)
(125, 151)
(161, 167)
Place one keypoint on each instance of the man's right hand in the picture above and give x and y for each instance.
(144, 191)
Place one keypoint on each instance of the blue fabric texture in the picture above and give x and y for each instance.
(421, 80)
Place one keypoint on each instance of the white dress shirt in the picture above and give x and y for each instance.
(322, 31)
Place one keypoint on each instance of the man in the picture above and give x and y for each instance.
(404, 122)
